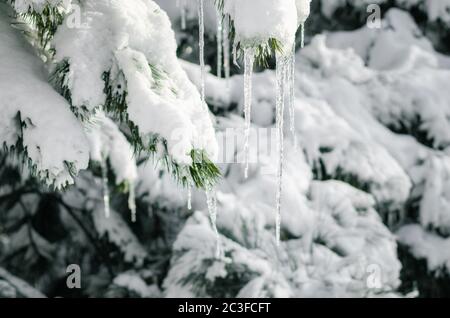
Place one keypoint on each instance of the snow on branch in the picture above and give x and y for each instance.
(113, 62)
(159, 98)
(34, 117)
(266, 25)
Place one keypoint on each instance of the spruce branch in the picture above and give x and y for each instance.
(45, 22)
(20, 150)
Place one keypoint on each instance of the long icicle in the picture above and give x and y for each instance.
(183, 14)
(104, 169)
(281, 72)
(226, 50)
(219, 42)
(132, 201)
(249, 60)
(211, 201)
(201, 44)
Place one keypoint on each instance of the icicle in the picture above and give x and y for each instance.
(201, 27)
(211, 201)
(132, 201)
(226, 51)
(281, 73)
(291, 101)
(219, 42)
(235, 45)
(249, 59)
(189, 199)
(302, 36)
(104, 169)
(182, 5)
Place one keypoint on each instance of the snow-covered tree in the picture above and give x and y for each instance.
(117, 107)
(84, 81)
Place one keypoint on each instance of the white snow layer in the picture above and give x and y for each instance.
(333, 239)
(426, 245)
(133, 282)
(120, 37)
(53, 137)
(348, 91)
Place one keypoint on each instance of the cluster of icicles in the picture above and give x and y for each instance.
(285, 88)
(285, 80)
(285, 83)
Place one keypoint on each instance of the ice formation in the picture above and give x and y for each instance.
(211, 202)
(281, 77)
(226, 49)
(108, 144)
(132, 201)
(220, 43)
(189, 199)
(201, 44)
(249, 60)
(277, 20)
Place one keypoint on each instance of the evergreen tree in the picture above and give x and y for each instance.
(109, 158)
